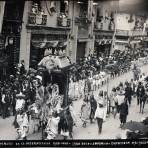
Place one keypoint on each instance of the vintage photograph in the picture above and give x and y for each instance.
(73, 69)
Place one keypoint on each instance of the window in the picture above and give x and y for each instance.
(64, 6)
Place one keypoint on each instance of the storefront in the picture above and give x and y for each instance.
(81, 49)
(103, 47)
(103, 42)
(11, 28)
(47, 41)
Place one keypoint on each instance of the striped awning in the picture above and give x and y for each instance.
(122, 41)
(135, 41)
(62, 44)
(104, 41)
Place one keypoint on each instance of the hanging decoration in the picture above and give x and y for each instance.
(51, 8)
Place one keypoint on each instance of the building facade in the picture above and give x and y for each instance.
(74, 28)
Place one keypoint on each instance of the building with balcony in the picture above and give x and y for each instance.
(57, 27)
(130, 30)
(104, 26)
(75, 28)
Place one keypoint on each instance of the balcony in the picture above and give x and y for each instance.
(122, 33)
(63, 22)
(104, 26)
(82, 20)
(83, 32)
(35, 19)
(137, 33)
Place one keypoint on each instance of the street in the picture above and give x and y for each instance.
(110, 126)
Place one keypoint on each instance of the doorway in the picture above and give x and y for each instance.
(81, 47)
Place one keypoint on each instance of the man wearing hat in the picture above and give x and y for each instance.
(100, 115)
(120, 98)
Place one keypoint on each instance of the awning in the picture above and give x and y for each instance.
(135, 41)
(83, 40)
(50, 62)
(122, 41)
(38, 44)
(62, 44)
(50, 44)
(102, 41)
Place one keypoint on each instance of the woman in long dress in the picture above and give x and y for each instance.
(85, 112)
(52, 126)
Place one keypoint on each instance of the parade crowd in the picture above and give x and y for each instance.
(24, 96)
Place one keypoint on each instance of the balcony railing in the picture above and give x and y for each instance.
(137, 33)
(122, 32)
(131, 33)
(63, 22)
(82, 20)
(104, 26)
(36, 19)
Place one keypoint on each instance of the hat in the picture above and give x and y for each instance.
(114, 89)
(39, 77)
(101, 93)
(118, 88)
(142, 119)
(20, 95)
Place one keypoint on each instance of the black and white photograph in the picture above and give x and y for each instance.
(73, 70)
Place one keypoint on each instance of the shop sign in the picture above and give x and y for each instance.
(104, 33)
(45, 31)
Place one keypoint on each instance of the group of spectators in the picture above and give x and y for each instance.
(91, 72)
(32, 104)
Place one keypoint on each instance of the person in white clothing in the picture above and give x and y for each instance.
(100, 115)
(20, 102)
(22, 120)
(52, 126)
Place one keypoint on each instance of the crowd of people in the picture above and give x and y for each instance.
(118, 102)
(35, 107)
(91, 73)
(24, 96)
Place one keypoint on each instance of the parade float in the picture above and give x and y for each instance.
(56, 72)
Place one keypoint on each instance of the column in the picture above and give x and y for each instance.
(25, 37)
(72, 51)
(91, 37)
(2, 8)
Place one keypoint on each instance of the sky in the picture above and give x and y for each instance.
(134, 5)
